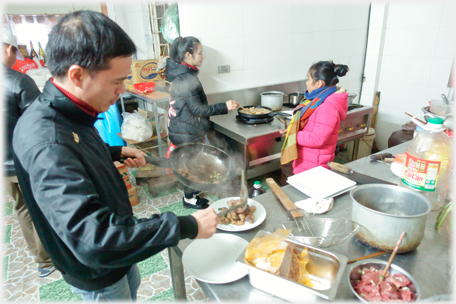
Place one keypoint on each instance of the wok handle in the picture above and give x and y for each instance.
(160, 162)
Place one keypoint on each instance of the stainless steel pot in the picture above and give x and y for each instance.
(385, 211)
(295, 98)
(272, 99)
(350, 97)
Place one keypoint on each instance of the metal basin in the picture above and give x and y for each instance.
(325, 272)
(387, 210)
(353, 274)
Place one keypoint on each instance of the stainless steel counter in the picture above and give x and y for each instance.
(430, 264)
(259, 146)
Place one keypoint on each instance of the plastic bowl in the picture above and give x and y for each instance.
(353, 275)
(144, 87)
(321, 232)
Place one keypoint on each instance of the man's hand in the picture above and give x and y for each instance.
(207, 221)
(135, 157)
(231, 105)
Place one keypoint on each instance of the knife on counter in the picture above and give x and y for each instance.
(359, 178)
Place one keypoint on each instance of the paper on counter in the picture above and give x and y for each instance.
(315, 205)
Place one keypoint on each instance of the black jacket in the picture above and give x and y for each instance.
(19, 91)
(189, 111)
(77, 199)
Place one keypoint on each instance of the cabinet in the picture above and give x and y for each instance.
(145, 101)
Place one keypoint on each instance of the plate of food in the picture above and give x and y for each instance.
(239, 220)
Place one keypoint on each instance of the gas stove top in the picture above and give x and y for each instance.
(253, 121)
(354, 106)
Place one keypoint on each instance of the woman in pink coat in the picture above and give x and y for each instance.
(312, 134)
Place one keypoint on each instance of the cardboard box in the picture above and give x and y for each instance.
(143, 71)
(123, 170)
(133, 196)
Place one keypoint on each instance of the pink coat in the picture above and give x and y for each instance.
(317, 141)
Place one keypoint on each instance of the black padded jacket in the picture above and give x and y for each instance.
(77, 199)
(19, 91)
(189, 111)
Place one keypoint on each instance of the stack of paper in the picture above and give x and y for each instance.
(321, 183)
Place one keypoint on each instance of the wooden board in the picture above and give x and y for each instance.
(134, 142)
(283, 198)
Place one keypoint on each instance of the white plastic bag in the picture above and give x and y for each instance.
(136, 127)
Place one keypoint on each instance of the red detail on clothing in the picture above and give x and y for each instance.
(81, 104)
(24, 65)
(170, 149)
(189, 65)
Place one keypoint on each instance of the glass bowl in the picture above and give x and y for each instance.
(321, 232)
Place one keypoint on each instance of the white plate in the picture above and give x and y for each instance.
(213, 260)
(260, 214)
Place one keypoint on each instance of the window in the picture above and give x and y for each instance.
(156, 11)
(31, 30)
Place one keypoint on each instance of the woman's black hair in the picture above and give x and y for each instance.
(88, 39)
(327, 71)
(181, 46)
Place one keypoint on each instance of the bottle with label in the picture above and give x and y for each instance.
(427, 165)
(41, 55)
(256, 190)
(33, 54)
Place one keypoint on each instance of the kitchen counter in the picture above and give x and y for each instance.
(430, 264)
(259, 146)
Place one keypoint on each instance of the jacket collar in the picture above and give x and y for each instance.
(54, 98)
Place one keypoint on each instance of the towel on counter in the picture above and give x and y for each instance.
(299, 120)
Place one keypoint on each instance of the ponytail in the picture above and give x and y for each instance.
(181, 46)
(327, 71)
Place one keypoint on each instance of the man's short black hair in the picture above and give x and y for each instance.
(88, 39)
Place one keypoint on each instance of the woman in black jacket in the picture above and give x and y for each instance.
(189, 111)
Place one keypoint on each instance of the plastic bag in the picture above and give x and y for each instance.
(136, 127)
(169, 26)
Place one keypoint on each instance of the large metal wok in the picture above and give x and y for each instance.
(260, 116)
(198, 166)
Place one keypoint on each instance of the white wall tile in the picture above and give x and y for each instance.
(448, 12)
(414, 15)
(406, 70)
(129, 8)
(267, 18)
(348, 16)
(313, 47)
(263, 76)
(377, 15)
(411, 42)
(374, 43)
(308, 17)
(445, 44)
(388, 120)
(267, 50)
(216, 20)
(215, 83)
(348, 42)
(222, 52)
(440, 73)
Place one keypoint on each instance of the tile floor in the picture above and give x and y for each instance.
(21, 281)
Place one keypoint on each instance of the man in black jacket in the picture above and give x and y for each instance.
(76, 197)
(19, 92)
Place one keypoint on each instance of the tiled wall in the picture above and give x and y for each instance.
(274, 43)
(410, 53)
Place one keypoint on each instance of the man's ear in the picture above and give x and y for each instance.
(188, 55)
(76, 75)
(9, 49)
(320, 83)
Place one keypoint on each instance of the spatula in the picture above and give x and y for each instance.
(243, 195)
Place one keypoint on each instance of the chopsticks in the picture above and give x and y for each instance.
(391, 258)
(367, 256)
(416, 118)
